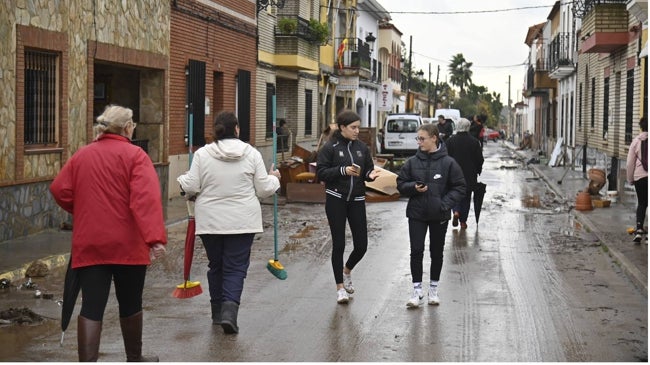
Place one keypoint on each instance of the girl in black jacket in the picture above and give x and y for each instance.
(344, 163)
(434, 183)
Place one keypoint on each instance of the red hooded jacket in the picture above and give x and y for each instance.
(112, 191)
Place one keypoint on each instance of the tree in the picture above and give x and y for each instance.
(461, 75)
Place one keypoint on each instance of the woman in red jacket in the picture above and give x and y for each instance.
(112, 191)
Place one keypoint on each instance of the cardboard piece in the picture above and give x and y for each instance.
(385, 183)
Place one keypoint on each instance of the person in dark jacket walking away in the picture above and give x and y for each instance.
(444, 127)
(113, 193)
(434, 183)
(637, 175)
(477, 128)
(466, 150)
(344, 164)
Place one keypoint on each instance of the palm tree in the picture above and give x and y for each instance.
(461, 75)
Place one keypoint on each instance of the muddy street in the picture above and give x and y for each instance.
(528, 284)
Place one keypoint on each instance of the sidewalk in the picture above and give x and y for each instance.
(52, 247)
(608, 224)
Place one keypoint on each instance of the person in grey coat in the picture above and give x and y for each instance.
(466, 150)
(434, 183)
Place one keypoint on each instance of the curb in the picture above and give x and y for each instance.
(55, 261)
(50, 261)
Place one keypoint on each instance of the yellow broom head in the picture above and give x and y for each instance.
(187, 289)
(276, 264)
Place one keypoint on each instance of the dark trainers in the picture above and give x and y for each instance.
(463, 225)
(638, 235)
(454, 221)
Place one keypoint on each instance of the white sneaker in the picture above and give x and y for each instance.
(417, 298)
(342, 296)
(433, 296)
(347, 283)
(638, 236)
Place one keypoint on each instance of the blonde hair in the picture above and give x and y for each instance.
(113, 120)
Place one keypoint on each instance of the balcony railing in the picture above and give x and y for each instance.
(353, 57)
(583, 7)
(300, 28)
(560, 51)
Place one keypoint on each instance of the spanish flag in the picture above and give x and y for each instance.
(342, 47)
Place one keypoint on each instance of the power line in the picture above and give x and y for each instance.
(447, 12)
(473, 65)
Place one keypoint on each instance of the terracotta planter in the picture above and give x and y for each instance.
(583, 201)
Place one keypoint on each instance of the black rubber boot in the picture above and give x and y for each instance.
(216, 312)
(132, 335)
(229, 317)
(88, 335)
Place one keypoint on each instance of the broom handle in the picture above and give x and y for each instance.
(275, 195)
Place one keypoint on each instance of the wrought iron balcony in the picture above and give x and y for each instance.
(561, 56)
(295, 26)
(538, 80)
(604, 26)
(353, 59)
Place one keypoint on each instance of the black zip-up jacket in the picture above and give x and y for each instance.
(444, 179)
(333, 158)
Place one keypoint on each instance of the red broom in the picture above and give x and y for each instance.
(188, 289)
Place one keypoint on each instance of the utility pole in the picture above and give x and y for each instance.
(510, 126)
(429, 93)
(435, 92)
(409, 107)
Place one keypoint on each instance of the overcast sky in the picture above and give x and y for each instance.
(493, 41)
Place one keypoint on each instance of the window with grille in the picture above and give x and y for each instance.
(308, 111)
(629, 106)
(41, 97)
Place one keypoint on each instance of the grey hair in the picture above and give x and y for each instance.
(462, 125)
(113, 120)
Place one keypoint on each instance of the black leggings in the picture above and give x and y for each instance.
(641, 187)
(417, 233)
(96, 286)
(338, 212)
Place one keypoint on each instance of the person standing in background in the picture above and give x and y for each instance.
(113, 193)
(344, 164)
(467, 152)
(637, 175)
(434, 183)
(444, 128)
(227, 177)
(477, 128)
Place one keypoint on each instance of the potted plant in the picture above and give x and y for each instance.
(288, 25)
(320, 32)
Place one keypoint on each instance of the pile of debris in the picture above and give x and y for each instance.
(20, 316)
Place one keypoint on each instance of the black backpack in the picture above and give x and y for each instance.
(644, 154)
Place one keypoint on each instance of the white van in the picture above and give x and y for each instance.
(400, 131)
(453, 114)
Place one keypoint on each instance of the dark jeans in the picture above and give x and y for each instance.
(96, 285)
(338, 212)
(417, 233)
(229, 256)
(641, 187)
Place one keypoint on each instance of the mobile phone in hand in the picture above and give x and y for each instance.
(419, 183)
(356, 167)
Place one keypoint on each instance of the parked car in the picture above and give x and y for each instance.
(491, 135)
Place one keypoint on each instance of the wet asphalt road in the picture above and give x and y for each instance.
(529, 284)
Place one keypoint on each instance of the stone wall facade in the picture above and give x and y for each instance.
(79, 33)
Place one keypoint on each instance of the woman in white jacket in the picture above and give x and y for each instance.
(227, 177)
(637, 175)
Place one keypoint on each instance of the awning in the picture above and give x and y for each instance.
(644, 50)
